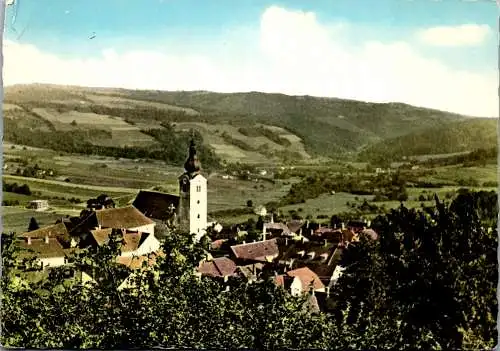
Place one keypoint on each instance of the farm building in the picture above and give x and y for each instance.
(38, 205)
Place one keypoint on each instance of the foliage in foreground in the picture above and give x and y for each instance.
(428, 283)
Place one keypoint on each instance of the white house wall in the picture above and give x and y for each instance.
(52, 261)
(148, 228)
(151, 244)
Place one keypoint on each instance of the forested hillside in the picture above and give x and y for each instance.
(315, 127)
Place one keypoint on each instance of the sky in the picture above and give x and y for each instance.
(440, 54)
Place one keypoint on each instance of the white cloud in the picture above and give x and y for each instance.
(293, 53)
(454, 36)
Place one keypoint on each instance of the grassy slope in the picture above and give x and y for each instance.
(325, 126)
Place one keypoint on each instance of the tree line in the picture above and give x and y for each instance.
(172, 146)
(429, 282)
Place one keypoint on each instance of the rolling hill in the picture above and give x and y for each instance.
(246, 127)
(455, 137)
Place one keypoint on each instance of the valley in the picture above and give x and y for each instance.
(68, 144)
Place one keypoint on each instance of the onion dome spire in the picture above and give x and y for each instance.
(192, 164)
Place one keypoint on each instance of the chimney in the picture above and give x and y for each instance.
(307, 224)
(46, 239)
(343, 226)
(286, 241)
(326, 242)
(320, 225)
(244, 242)
(264, 236)
(300, 232)
(272, 217)
(264, 229)
(29, 240)
(327, 291)
(312, 232)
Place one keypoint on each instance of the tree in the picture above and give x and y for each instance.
(33, 224)
(249, 203)
(429, 282)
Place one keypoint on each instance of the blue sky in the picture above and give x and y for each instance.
(291, 46)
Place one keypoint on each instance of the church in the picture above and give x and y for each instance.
(188, 210)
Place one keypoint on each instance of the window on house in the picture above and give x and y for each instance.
(198, 202)
(198, 216)
(198, 188)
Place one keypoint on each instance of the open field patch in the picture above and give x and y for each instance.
(16, 219)
(121, 102)
(232, 145)
(82, 118)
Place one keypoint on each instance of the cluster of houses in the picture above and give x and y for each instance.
(299, 256)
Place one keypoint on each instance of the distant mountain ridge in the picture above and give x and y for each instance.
(319, 127)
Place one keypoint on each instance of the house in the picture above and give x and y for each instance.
(220, 267)
(57, 231)
(276, 229)
(137, 264)
(134, 243)
(48, 251)
(260, 251)
(251, 271)
(128, 218)
(295, 226)
(300, 281)
(38, 205)
(260, 211)
(321, 258)
(140, 262)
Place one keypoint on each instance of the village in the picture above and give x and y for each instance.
(303, 257)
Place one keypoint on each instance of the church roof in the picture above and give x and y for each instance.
(154, 204)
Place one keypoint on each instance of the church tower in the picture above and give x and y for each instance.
(193, 196)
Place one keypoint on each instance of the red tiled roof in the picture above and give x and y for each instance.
(101, 236)
(216, 244)
(131, 241)
(279, 280)
(277, 226)
(41, 249)
(294, 226)
(257, 251)
(307, 276)
(218, 267)
(137, 262)
(52, 231)
(324, 230)
(124, 217)
(348, 234)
